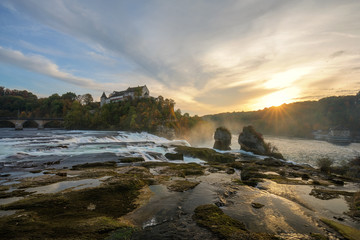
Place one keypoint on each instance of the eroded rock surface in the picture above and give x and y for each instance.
(222, 139)
(252, 141)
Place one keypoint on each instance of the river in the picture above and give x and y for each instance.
(31, 147)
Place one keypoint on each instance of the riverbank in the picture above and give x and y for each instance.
(260, 199)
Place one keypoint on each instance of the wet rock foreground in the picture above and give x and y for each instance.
(229, 197)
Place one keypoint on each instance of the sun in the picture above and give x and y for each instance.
(280, 97)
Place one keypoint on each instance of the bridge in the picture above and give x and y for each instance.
(19, 122)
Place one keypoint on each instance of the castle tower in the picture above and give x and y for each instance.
(103, 99)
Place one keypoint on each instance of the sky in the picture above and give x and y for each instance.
(210, 56)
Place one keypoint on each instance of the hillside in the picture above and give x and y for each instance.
(81, 112)
(297, 119)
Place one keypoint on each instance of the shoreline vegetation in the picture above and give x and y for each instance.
(158, 115)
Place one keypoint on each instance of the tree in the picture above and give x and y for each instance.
(69, 96)
(85, 99)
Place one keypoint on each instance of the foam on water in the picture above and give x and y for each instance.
(72, 143)
(24, 145)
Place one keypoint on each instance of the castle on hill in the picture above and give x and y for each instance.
(131, 92)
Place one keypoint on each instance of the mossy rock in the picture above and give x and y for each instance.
(132, 159)
(355, 206)
(123, 233)
(174, 156)
(346, 231)
(318, 236)
(271, 162)
(211, 217)
(4, 188)
(182, 185)
(87, 214)
(186, 169)
(257, 205)
(15, 193)
(236, 165)
(327, 194)
(246, 175)
(230, 171)
(206, 154)
(305, 177)
(219, 166)
(252, 182)
(156, 164)
(108, 164)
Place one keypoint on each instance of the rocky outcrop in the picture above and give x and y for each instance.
(174, 156)
(166, 132)
(252, 141)
(222, 139)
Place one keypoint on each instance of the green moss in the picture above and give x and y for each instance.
(205, 154)
(326, 194)
(318, 236)
(155, 164)
(355, 206)
(252, 182)
(15, 193)
(236, 165)
(87, 214)
(124, 233)
(324, 164)
(39, 181)
(182, 185)
(95, 173)
(250, 176)
(109, 164)
(219, 167)
(238, 181)
(211, 217)
(174, 156)
(183, 170)
(253, 167)
(246, 175)
(132, 159)
(348, 232)
(4, 188)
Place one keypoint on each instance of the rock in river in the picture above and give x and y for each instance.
(252, 141)
(222, 139)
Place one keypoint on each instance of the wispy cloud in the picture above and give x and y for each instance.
(42, 65)
(209, 56)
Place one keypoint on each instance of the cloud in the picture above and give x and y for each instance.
(337, 54)
(206, 53)
(234, 96)
(39, 64)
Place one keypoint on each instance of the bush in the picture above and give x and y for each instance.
(324, 164)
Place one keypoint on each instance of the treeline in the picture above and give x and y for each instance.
(81, 112)
(298, 119)
(139, 114)
(15, 103)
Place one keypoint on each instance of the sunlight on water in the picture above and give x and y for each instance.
(308, 151)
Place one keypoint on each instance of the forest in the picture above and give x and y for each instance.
(81, 112)
(297, 119)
